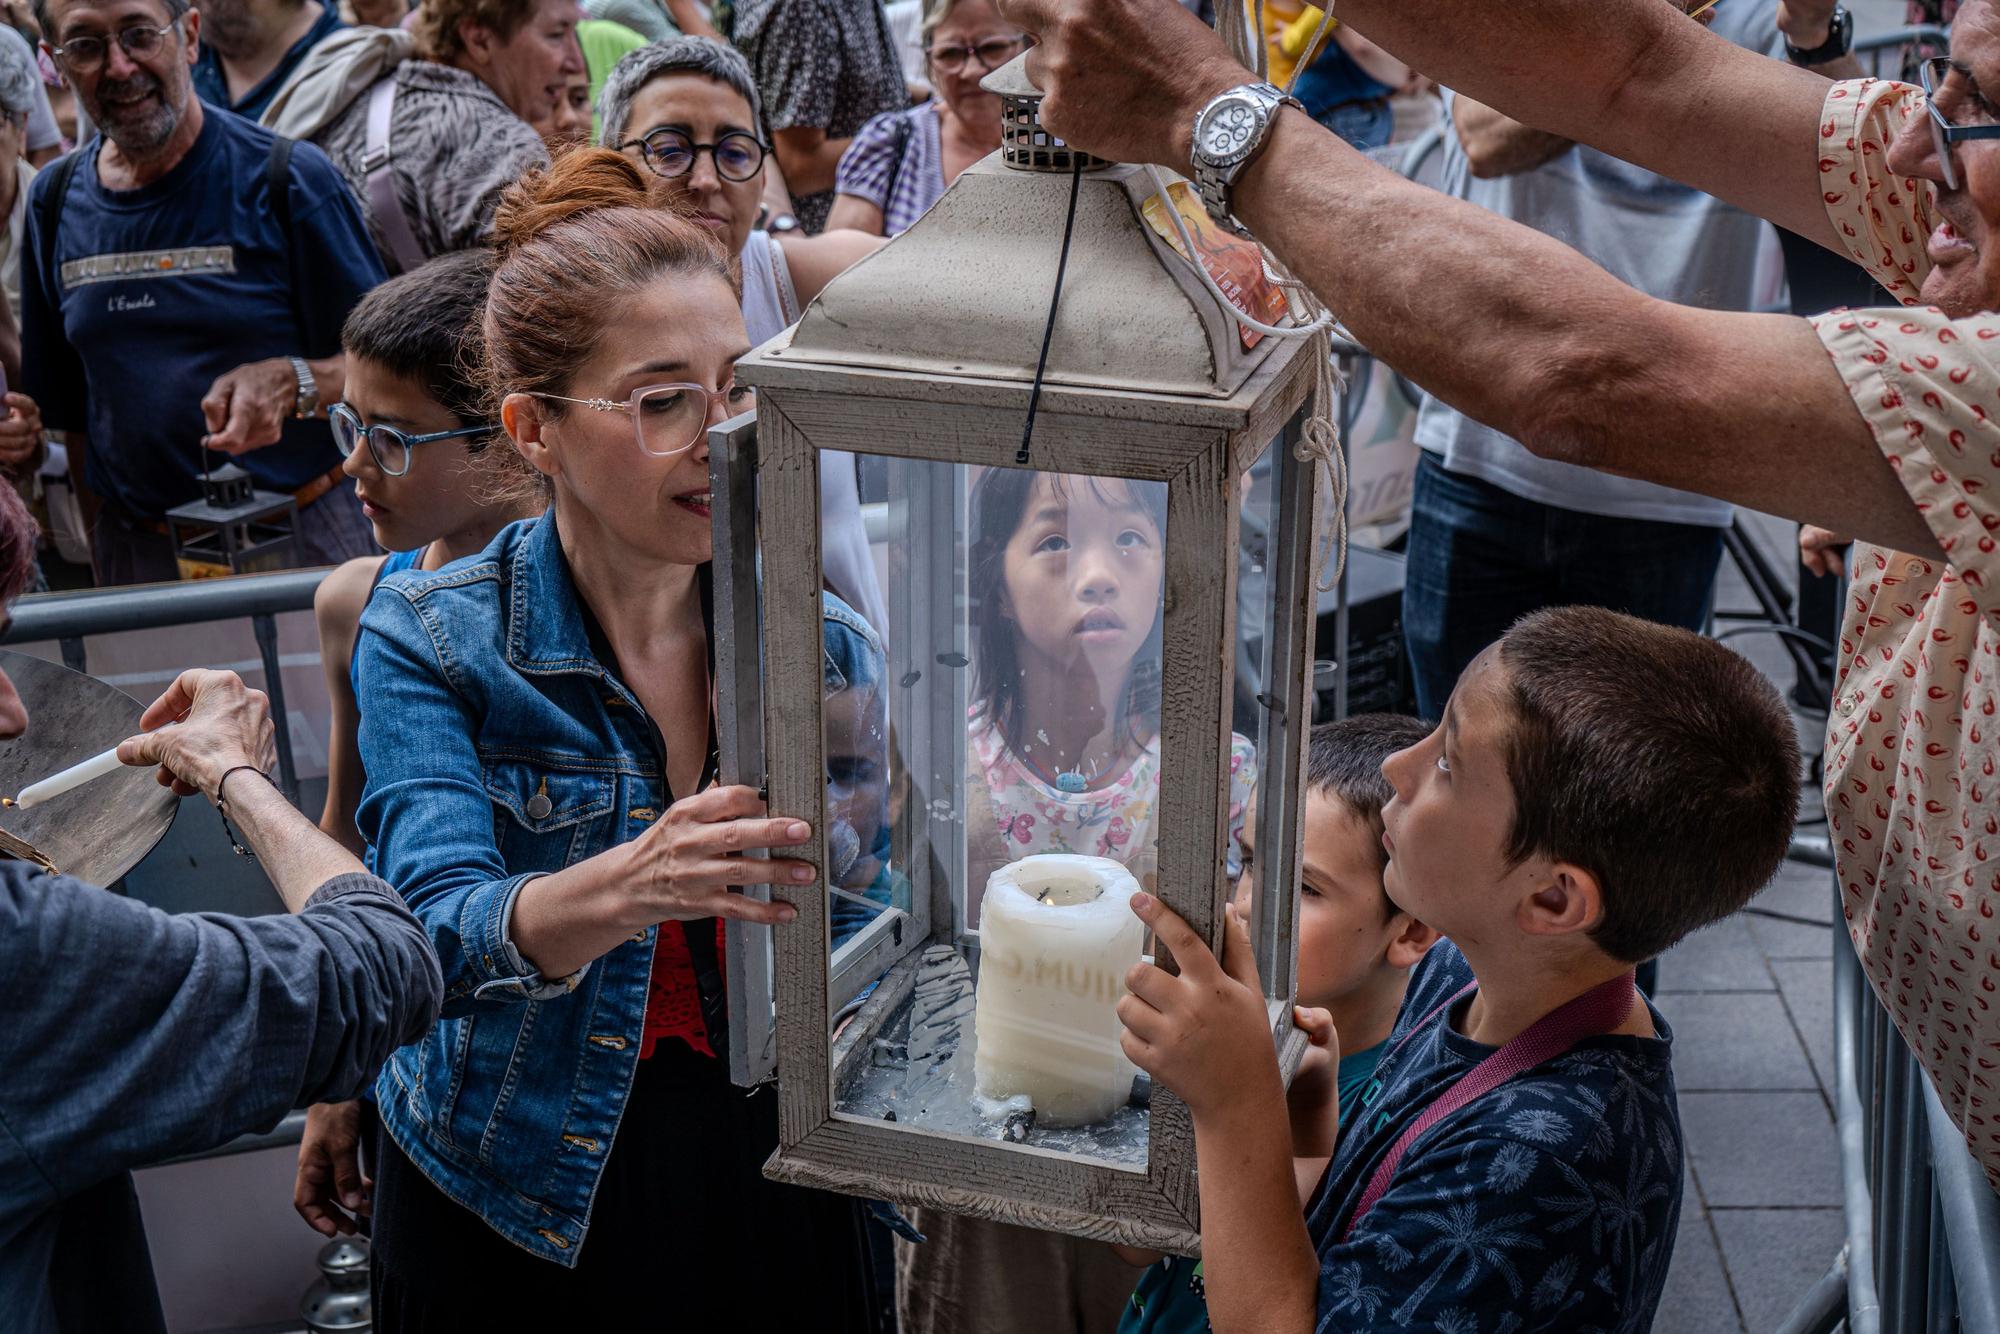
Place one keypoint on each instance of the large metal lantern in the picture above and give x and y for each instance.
(943, 1032)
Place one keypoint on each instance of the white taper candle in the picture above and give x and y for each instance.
(75, 776)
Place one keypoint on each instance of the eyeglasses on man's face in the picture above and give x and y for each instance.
(668, 419)
(85, 54)
(991, 54)
(738, 156)
(1958, 112)
(388, 446)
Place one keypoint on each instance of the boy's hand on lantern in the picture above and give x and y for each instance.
(1313, 1099)
(1202, 1033)
(1124, 78)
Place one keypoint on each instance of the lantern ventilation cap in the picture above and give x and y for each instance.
(1024, 144)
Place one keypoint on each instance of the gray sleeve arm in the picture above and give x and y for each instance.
(134, 1035)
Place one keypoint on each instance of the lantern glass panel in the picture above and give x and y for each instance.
(995, 767)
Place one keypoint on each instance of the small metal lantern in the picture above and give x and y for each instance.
(337, 1302)
(234, 528)
(920, 358)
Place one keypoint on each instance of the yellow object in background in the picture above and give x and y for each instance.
(1301, 30)
(1288, 26)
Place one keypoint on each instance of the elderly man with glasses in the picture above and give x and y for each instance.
(183, 289)
(1882, 425)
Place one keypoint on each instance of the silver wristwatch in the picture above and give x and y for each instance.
(308, 400)
(1227, 134)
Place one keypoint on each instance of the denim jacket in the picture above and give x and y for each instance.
(499, 748)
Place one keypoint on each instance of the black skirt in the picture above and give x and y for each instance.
(685, 1233)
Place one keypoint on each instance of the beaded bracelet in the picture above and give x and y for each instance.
(221, 806)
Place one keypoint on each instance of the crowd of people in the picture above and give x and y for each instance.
(468, 282)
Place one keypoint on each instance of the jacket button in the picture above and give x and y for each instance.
(539, 806)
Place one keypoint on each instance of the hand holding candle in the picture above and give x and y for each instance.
(224, 724)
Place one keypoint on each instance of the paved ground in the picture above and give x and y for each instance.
(1750, 1001)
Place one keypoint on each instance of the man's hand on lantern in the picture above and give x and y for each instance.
(1124, 78)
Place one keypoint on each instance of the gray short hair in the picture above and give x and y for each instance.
(20, 78)
(677, 55)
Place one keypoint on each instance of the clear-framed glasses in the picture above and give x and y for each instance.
(667, 419)
(389, 447)
(1944, 133)
(991, 54)
(85, 54)
(738, 156)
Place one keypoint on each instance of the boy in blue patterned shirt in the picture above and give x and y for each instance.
(1600, 787)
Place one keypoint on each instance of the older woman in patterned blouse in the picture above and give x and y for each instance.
(902, 161)
(1883, 425)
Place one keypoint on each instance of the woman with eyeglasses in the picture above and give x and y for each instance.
(902, 161)
(565, 1149)
(688, 110)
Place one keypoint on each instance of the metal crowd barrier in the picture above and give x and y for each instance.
(68, 618)
(1894, 54)
(1923, 1224)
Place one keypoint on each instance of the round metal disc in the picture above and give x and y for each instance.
(103, 829)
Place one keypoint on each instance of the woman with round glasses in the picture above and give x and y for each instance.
(688, 110)
(541, 762)
(901, 161)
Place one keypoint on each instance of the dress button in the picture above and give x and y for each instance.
(539, 806)
(1915, 569)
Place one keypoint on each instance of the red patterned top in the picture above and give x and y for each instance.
(673, 1000)
(1912, 744)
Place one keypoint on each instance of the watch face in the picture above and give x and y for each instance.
(1226, 132)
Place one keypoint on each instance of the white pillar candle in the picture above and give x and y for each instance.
(97, 766)
(1056, 938)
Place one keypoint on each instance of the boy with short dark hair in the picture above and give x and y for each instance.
(1356, 948)
(1600, 787)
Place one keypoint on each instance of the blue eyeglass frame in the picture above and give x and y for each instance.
(366, 434)
(1943, 132)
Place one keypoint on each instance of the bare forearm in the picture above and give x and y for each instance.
(296, 855)
(809, 159)
(1808, 27)
(563, 921)
(330, 375)
(1523, 334)
(1258, 1263)
(1498, 145)
(1634, 79)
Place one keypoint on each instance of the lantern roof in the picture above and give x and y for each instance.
(964, 293)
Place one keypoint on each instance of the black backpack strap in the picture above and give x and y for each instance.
(49, 212)
(278, 183)
(278, 173)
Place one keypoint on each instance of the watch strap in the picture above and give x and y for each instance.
(1214, 183)
(1839, 41)
(308, 400)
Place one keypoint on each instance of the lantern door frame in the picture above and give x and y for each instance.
(1198, 447)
